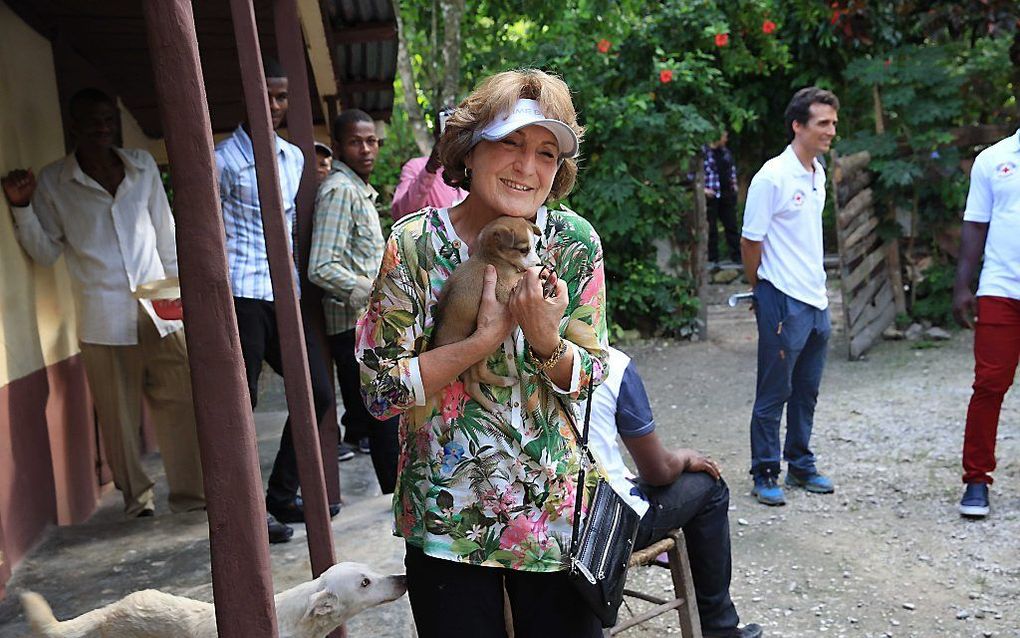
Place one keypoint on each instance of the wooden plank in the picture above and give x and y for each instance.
(847, 165)
(863, 271)
(860, 203)
(846, 190)
(866, 292)
(892, 260)
(870, 333)
(863, 308)
(860, 233)
(864, 247)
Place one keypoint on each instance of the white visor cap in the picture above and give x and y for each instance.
(526, 113)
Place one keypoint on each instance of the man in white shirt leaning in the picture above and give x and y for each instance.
(105, 210)
(781, 248)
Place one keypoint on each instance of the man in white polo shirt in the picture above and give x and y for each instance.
(991, 226)
(781, 248)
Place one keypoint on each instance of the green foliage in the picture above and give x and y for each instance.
(935, 295)
(655, 81)
(659, 89)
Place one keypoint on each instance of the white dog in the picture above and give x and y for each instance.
(311, 610)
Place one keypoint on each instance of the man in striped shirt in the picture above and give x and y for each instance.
(253, 290)
(347, 250)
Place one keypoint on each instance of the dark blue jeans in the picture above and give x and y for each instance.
(792, 341)
(700, 505)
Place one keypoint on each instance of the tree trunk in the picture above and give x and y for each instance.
(453, 10)
(414, 114)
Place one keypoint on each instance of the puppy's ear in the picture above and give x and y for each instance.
(322, 603)
(536, 230)
(503, 237)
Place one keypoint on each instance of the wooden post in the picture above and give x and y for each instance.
(291, 50)
(701, 249)
(297, 384)
(238, 537)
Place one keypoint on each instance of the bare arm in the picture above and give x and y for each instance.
(972, 247)
(750, 254)
(658, 466)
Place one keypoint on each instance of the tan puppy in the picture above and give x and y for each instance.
(310, 610)
(508, 243)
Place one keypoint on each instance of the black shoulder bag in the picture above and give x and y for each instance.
(600, 552)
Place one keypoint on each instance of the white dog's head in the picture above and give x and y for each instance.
(346, 589)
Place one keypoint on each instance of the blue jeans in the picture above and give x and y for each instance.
(792, 341)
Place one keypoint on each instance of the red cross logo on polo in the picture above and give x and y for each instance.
(798, 198)
(1005, 169)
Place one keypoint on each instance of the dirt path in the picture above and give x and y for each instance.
(887, 555)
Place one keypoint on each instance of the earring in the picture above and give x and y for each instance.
(467, 173)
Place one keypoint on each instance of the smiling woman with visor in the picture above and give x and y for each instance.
(485, 496)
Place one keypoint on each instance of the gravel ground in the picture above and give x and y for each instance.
(887, 554)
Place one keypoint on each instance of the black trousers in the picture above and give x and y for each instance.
(260, 341)
(451, 599)
(357, 421)
(723, 209)
(699, 505)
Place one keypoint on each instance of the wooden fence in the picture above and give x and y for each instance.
(869, 267)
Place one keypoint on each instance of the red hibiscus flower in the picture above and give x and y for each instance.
(768, 27)
(603, 45)
(666, 76)
(722, 39)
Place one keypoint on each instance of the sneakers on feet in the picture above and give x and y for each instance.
(767, 491)
(815, 483)
(974, 503)
(278, 532)
(344, 452)
(363, 446)
(747, 631)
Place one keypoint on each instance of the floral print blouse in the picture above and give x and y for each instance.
(495, 489)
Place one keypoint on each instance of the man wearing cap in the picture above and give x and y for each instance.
(253, 289)
(991, 228)
(783, 260)
(421, 179)
(324, 161)
(104, 208)
(347, 250)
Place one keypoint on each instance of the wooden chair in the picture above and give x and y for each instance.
(683, 601)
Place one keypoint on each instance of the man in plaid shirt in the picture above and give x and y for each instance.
(721, 197)
(347, 251)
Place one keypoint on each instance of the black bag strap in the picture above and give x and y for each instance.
(582, 438)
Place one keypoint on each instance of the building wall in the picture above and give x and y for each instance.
(47, 436)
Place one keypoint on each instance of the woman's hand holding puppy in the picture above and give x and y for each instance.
(495, 322)
(538, 315)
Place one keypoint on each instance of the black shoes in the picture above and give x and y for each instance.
(344, 452)
(747, 631)
(278, 532)
(294, 512)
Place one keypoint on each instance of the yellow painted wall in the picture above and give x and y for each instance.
(37, 319)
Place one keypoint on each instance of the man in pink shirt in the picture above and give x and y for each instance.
(421, 181)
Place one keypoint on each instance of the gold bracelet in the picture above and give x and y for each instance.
(554, 358)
